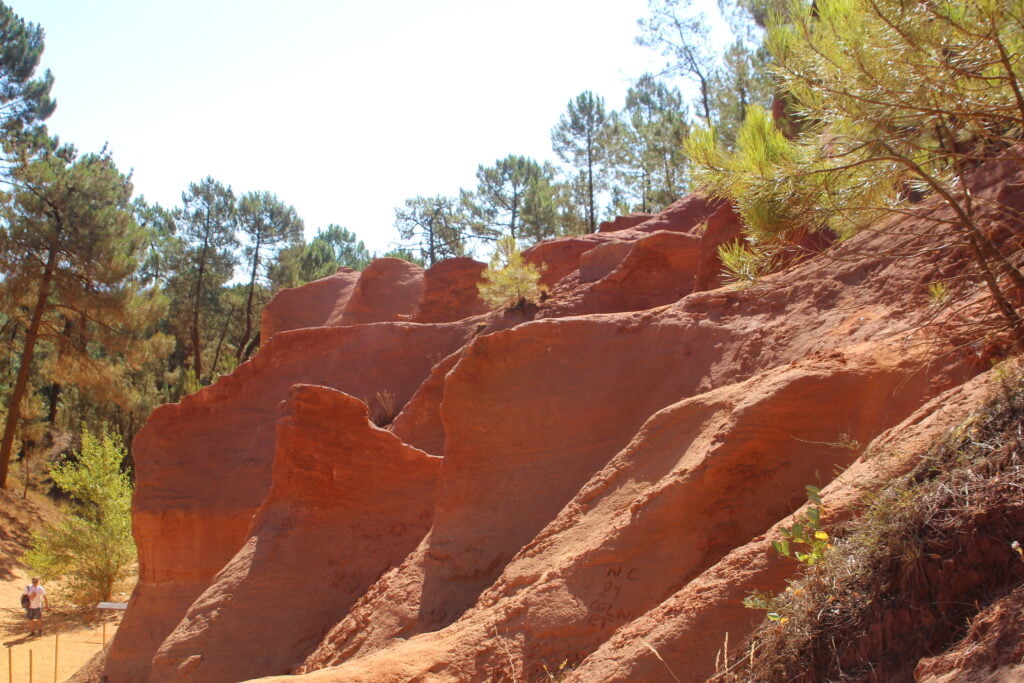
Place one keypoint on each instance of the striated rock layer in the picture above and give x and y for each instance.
(594, 481)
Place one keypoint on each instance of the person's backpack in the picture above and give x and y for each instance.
(24, 600)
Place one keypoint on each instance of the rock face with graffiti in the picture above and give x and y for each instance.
(403, 485)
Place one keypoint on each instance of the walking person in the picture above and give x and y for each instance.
(36, 601)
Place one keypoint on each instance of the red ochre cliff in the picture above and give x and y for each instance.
(594, 482)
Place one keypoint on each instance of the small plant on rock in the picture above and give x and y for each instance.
(806, 531)
(509, 281)
(384, 408)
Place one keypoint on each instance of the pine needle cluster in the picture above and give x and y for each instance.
(892, 101)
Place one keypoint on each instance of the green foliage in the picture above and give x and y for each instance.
(332, 248)
(206, 222)
(805, 531)
(767, 602)
(892, 100)
(267, 225)
(405, 255)
(650, 165)
(91, 548)
(938, 293)
(69, 249)
(771, 205)
(742, 264)
(956, 514)
(729, 78)
(509, 280)
(514, 197)
(190, 383)
(743, 81)
(680, 30)
(804, 541)
(24, 101)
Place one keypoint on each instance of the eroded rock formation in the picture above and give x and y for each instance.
(593, 482)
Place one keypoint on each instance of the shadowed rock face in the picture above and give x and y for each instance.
(610, 468)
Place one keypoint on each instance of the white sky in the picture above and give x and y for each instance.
(343, 109)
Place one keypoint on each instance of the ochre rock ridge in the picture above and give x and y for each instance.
(585, 488)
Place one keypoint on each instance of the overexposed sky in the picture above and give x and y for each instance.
(343, 109)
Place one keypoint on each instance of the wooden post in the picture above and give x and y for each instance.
(56, 649)
(10, 666)
(104, 634)
(30, 666)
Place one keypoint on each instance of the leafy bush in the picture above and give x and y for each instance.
(91, 548)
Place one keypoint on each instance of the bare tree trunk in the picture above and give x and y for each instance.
(251, 348)
(220, 341)
(591, 218)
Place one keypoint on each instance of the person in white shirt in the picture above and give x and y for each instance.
(36, 601)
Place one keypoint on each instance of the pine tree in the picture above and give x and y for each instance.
(71, 246)
(896, 100)
(25, 101)
(582, 138)
(433, 226)
(206, 222)
(744, 80)
(649, 160)
(509, 280)
(511, 198)
(679, 30)
(268, 225)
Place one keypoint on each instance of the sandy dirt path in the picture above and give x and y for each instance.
(80, 636)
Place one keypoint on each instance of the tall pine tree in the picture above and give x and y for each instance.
(582, 138)
(70, 243)
(206, 222)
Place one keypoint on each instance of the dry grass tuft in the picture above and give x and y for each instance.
(383, 408)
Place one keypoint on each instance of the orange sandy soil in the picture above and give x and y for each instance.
(79, 632)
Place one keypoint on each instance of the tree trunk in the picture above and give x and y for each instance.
(220, 342)
(251, 348)
(24, 369)
(591, 219)
(55, 390)
(248, 303)
(704, 93)
(197, 351)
